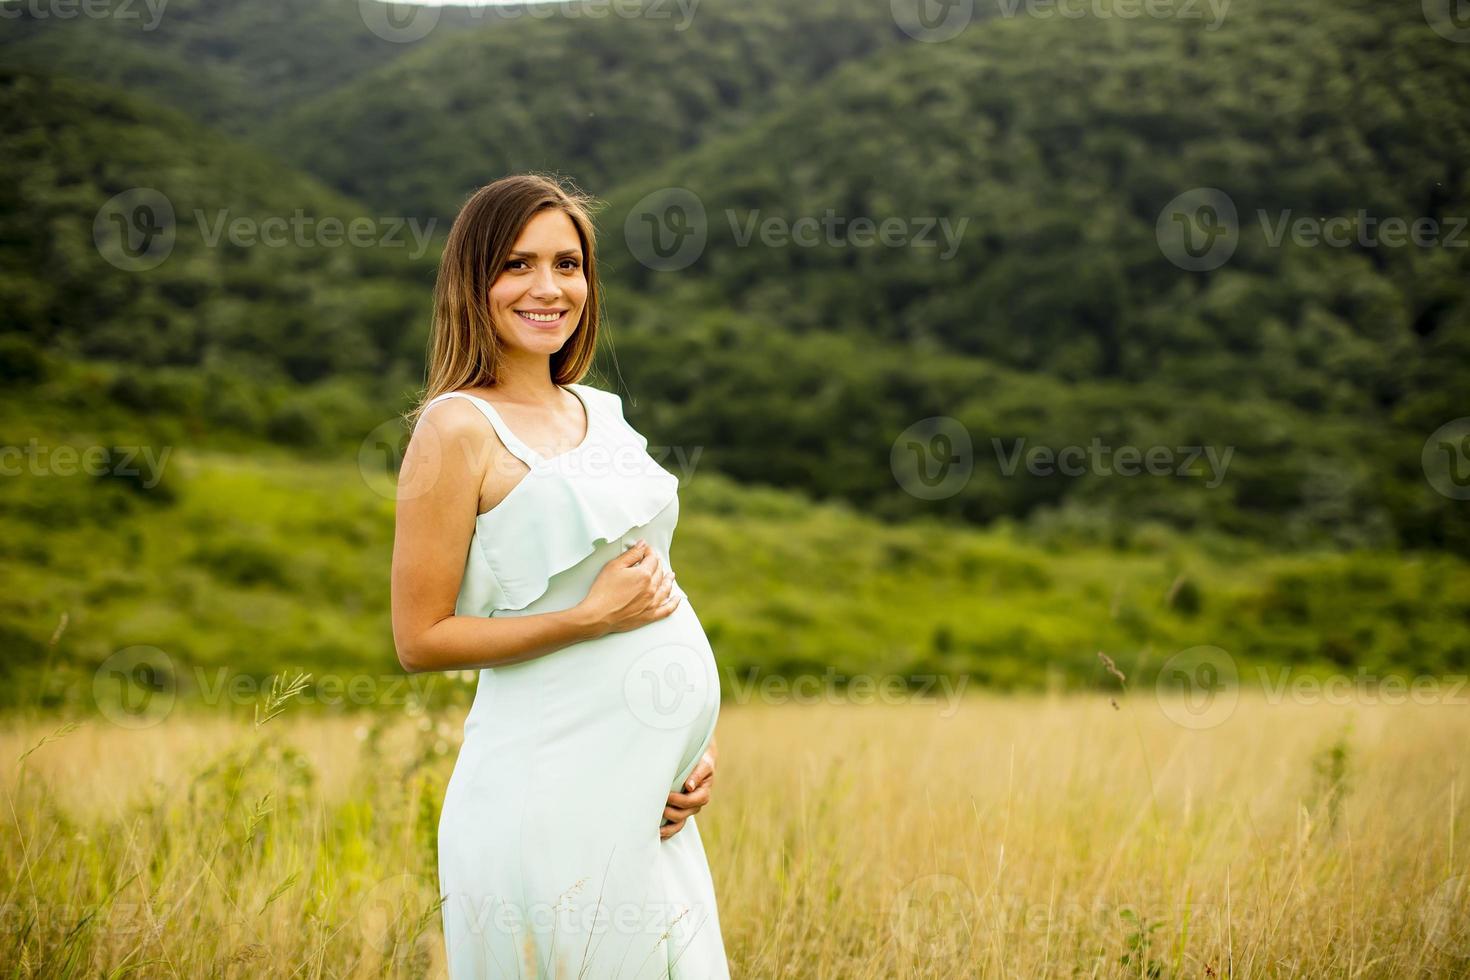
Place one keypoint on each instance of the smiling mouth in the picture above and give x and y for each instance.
(542, 318)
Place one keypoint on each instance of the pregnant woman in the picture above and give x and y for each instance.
(532, 543)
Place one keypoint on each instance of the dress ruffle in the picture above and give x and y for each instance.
(569, 505)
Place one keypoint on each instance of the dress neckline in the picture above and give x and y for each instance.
(503, 429)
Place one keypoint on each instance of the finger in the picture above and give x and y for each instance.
(671, 829)
(684, 801)
(634, 554)
(702, 773)
(678, 813)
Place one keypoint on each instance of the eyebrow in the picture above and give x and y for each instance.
(565, 251)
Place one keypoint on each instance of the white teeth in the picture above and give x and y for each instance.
(541, 317)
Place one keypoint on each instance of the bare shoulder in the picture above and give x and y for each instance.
(454, 433)
(452, 418)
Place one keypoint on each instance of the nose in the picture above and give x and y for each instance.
(544, 286)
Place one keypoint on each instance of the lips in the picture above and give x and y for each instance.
(539, 320)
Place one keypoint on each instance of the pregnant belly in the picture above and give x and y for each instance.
(612, 724)
(672, 685)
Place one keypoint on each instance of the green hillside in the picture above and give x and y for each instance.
(1060, 142)
(246, 562)
(600, 99)
(161, 276)
(1053, 318)
(831, 415)
(229, 65)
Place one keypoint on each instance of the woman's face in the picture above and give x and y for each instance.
(538, 297)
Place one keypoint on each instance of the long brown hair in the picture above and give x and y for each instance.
(464, 349)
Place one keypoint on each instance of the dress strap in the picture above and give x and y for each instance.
(517, 448)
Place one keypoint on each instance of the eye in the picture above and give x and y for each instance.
(573, 263)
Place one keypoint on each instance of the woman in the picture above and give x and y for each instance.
(532, 543)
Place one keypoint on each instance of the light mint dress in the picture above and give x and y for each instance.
(550, 860)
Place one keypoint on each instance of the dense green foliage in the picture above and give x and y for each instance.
(247, 562)
(229, 65)
(270, 302)
(1057, 318)
(600, 100)
(831, 417)
(1061, 141)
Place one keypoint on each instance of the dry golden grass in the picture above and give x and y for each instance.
(1020, 837)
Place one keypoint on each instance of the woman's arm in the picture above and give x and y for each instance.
(438, 501)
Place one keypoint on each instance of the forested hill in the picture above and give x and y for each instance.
(1025, 168)
(1044, 180)
(189, 289)
(229, 64)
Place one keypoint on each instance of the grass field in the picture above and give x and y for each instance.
(1021, 837)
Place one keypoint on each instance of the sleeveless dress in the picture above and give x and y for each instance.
(550, 860)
